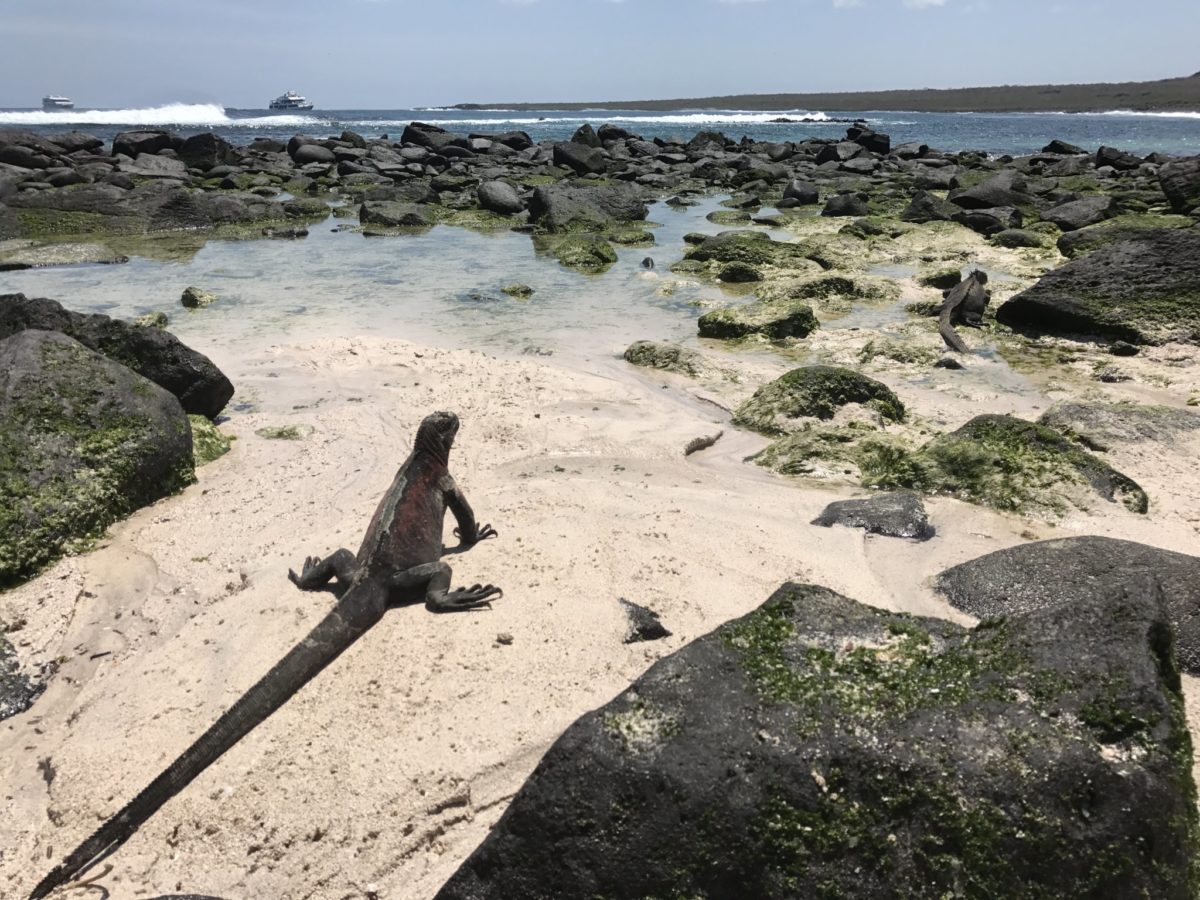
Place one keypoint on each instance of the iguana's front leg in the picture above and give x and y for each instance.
(316, 571)
(435, 577)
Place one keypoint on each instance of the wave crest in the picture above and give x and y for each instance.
(195, 115)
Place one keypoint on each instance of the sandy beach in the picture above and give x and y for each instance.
(381, 775)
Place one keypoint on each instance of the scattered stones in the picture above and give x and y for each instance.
(896, 514)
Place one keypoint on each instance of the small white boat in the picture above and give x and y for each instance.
(291, 100)
(53, 101)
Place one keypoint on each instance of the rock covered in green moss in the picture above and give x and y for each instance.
(814, 392)
(1145, 290)
(196, 298)
(84, 441)
(666, 356)
(1009, 464)
(773, 319)
(151, 352)
(519, 291)
(1119, 228)
(752, 248)
(818, 747)
(208, 443)
(584, 254)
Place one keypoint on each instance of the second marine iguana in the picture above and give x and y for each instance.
(399, 562)
(965, 302)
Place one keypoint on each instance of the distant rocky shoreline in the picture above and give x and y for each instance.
(1168, 94)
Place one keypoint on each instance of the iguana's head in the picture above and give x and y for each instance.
(436, 433)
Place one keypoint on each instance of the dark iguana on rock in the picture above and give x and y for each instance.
(965, 303)
(399, 562)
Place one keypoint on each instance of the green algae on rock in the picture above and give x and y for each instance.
(1006, 463)
(208, 443)
(285, 432)
(84, 441)
(814, 392)
(667, 357)
(583, 253)
(818, 747)
(773, 319)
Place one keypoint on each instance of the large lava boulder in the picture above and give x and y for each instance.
(1145, 290)
(83, 441)
(201, 387)
(819, 747)
(586, 207)
(1180, 181)
(1070, 573)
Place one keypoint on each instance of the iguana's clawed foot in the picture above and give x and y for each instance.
(484, 531)
(469, 598)
(310, 563)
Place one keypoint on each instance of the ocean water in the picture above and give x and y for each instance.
(995, 133)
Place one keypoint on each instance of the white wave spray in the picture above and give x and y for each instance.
(195, 115)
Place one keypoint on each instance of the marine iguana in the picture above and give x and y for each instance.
(399, 562)
(965, 302)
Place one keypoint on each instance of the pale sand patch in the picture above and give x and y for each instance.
(388, 769)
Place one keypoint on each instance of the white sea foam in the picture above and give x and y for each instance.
(1157, 115)
(706, 117)
(196, 115)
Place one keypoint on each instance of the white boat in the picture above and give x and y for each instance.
(53, 101)
(291, 100)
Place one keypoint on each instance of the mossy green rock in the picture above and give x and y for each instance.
(207, 441)
(1009, 464)
(752, 248)
(772, 319)
(585, 254)
(84, 441)
(668, 357)
(195, 298)
(520, 291)
(1078, 243)
(822, 748)
(816, 392)
(1144, 290)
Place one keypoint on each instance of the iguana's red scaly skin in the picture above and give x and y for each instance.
(399, 562)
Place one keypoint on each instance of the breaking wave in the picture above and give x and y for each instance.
(194, 115)
(1158, 115)
(708, 117)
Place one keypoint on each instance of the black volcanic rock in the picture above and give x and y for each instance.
(818, 747)
(896, 514)
(151, 352)
(1071, 573)
(1145, 290)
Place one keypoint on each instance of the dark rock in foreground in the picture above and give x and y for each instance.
(151, 352)
(1180, 181)
(1145, 290)
(1070, 573)
(83, 442)
(586, 207)
(821, 748)
(643, 623)
(898, 514)
(17, 690)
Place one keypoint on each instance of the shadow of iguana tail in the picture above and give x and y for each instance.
(354, 614)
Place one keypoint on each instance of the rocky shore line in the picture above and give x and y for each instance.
(1030, 741)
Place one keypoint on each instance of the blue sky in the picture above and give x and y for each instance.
(402, 53)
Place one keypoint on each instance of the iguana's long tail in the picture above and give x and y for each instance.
(355, 613)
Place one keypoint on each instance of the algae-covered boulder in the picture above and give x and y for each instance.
(1071, 572)
(586, 207)
(1119, 228)
(665, 356)
(394, 214)
(1101, 426)
(813, 392)
(751, 248)
(1145, 290)
(1010, 464)
(584, 254)
(197, 298)
(150, 351)
(773, 319)
(83, 442)
(819, 747)
(1180, 181)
